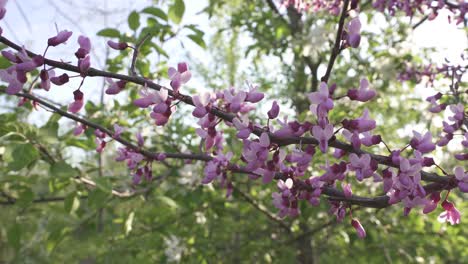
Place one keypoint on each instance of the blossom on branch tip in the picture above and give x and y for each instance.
(60, 38)
(462, 178)
(60, 80)
(359, 229)
(115, 87)
(451, 214)
(422, 143)
(431, 205)
(274, 111)
(117, 45)
(354, 32)
(85, 47)
(179, 76)
(78, 103)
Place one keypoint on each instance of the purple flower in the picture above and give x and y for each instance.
(363, 166)
(462, 178)
(79, 129)
(451, 214)
(150, 98)
(274, 111)
(431, 205)
(85, 47)
(45, 78)
(361, 124)
(78, 103)
(323, 135)
(61, 37)
(10, 76)
(201, 104)
(422, 143)
(354, 32)
(253, 96)
(243, 127)
(234, 101)
(60, 80)
(117, 45)
(84, 65)
(364, 94)
(180, 76)
(321, 101)
(359, 229)
(347, 189)
(115, 87)
(117, 131)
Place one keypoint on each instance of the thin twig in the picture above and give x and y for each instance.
(337, 46)
(260, 208)
(136, 50)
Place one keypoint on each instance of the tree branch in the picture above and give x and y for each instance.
(336, 47)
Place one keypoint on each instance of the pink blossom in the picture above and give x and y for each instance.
(451, 214)
(422, 143)
(79, 129)
(180, 76)
(150, 98)
(115, 87)
(354, 30)
(118, 130)
(84, 65)
(359, 229)
(11, 77)
(321, 101)
(274, 111)
(117, 45)
(347, 189)
(364, 94)
(60, 80)
(431, 205)
(201, 104)
(361, 165)
(243, 126)
(78, 103)
(253, 96)
(462, 178)
(60, 38)
(85, 47)
(361, 124)
(233, 100)
(323, 135)
(45, 78)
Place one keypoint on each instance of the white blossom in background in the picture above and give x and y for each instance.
(174, 248)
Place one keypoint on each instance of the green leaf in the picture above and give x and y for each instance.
(23, 155)
(71, 203)
(62, 169)
(176, 11)
(25, 197)
(129, 223)
(104, 184)
(14, 236)
(198, 40)
(134, 20)
(157, 12)
(109, 32)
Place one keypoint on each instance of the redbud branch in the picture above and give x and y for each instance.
(336, 47)
(136, 50)
(271, 216)
(280, 141)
